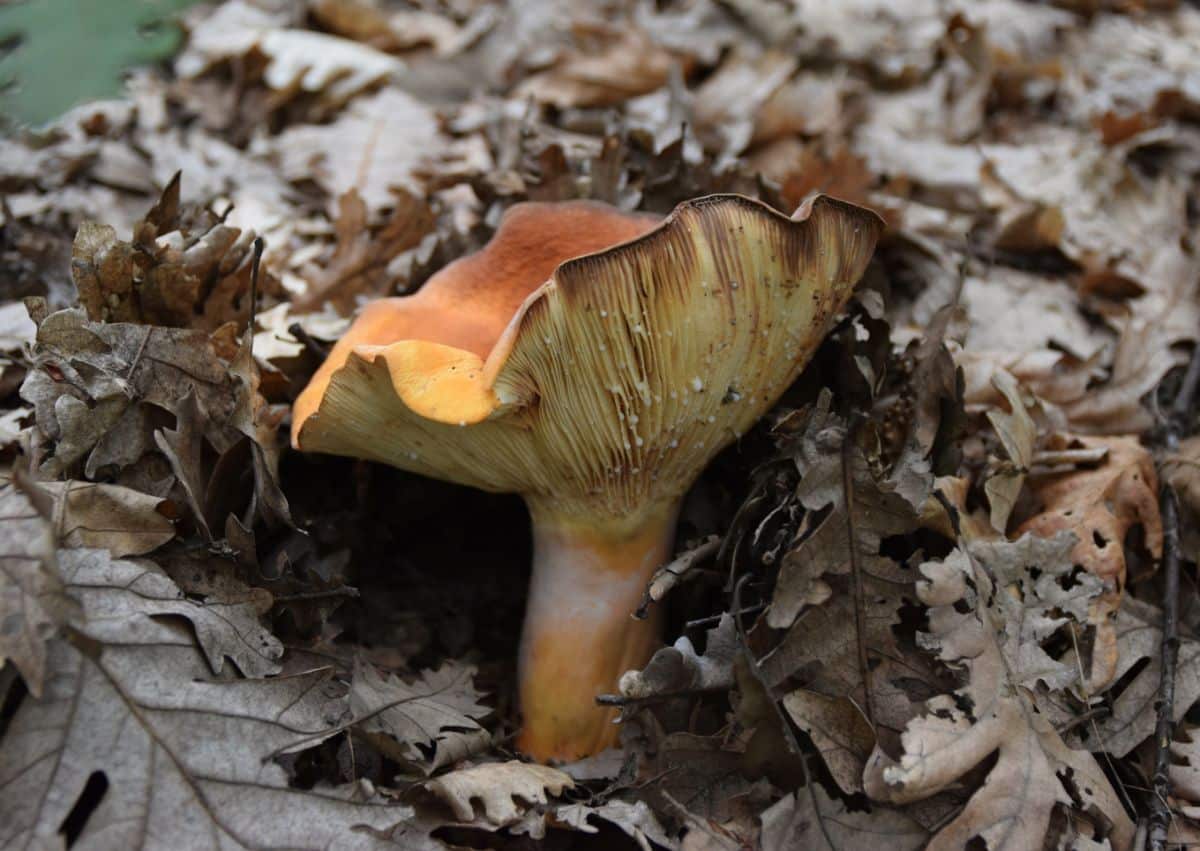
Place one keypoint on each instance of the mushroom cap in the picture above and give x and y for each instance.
(605, 390)
(468, 304)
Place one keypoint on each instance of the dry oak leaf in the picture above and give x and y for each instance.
(1100, 506)
(1185, 766)
(33, 603)
(839, 731)
(1135, 66)
(990, 611)
(1181, 469)
(849, 536)
(297, 59)
(118, 519)
(361, 262)
(809, 819)
(132, 600)
(499, 786)
(377, 143)
(704, 774)
(624, 64)
(430, 722)
(636, 820)
(900, 46)
(1185, 786)
(88, 376)
(391, 31)
(1104, 210)
(183, 269)
(187, 756)
(1017, 433)
(1133, 693)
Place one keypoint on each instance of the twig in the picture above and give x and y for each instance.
(712, 619)
(254, 264)
(307, 340)
(666, 578)
(860, 598)
(785, 723)
(622, 700)
(343, 591)
(1160, 811)
(1177, 425)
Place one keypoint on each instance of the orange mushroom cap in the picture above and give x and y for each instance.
(467, 305)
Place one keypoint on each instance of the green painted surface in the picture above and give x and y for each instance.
(59, 53)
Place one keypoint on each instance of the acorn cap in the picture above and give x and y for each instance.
(608, 387)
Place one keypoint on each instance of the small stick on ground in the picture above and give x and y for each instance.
(1177, 426)
(667, 577)
(319, 350)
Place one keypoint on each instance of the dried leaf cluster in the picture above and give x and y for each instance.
(916, 607)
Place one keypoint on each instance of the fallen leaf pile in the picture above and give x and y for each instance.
(917, 606)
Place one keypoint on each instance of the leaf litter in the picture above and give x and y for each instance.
(917, 606)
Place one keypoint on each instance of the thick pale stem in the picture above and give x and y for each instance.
(579, 634)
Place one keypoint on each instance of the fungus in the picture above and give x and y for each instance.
(527, 368)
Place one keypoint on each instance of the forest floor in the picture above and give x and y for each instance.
(920, 603)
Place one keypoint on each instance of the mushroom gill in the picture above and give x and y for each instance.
(598, 391)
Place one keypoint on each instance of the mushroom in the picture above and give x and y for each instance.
(593, 362)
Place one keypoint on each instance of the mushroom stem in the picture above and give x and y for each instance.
(579, 634)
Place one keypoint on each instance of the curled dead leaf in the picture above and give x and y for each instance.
(1100, 507)
(499, 786)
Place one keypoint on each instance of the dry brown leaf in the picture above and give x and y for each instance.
(127, 599)
(32, 601)
(137, 703)
(1041, 314)
(1185, 766)
(1100, 507)
(803, 169)
(429, 723)
(848, 537)
(1133, 693)
(120, 520)
(376, 144)
(809, 104)
(1115, 406)
(389, 30)
(729, 102)
(607, 67)
(811, 820)
(100, 390)
(1104, 209)
(274, 341)
(839, 731)
(990, 613)
(16, 328)
(636, 820)
(259, 423)
(297, 59)
(900, 46)
(359, 265)
(184, 268)
(1143, 67)
(1017, 433)
(1184, 827)
(1181, 469)
(498, 786)
(699, 773)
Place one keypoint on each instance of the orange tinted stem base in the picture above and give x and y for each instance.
(579, 634)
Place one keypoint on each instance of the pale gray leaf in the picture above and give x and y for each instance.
(427, 722)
